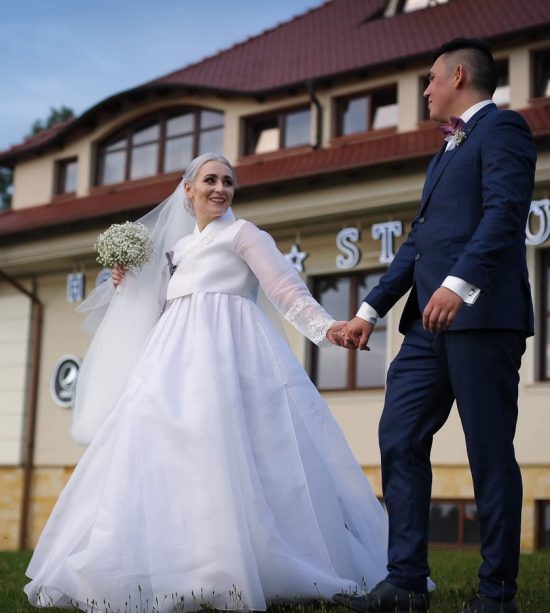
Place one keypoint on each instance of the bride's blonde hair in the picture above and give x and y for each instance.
(193, 169)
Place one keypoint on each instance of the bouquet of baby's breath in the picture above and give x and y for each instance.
(124, 245)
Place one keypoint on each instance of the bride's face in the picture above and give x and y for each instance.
(211, 192)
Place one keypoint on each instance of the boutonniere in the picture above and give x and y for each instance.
(454, 132)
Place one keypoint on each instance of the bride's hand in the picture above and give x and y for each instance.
(335, 334)
(117, 274)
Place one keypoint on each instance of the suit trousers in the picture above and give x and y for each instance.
(480, 369)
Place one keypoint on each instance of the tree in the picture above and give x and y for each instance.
(56, 116)
(6, 175)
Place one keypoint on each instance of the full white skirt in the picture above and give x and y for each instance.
(221, 478)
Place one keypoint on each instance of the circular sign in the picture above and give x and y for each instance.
(63, 380)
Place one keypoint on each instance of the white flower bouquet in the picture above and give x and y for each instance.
(124, 245)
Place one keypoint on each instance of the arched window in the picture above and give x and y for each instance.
(163, 142)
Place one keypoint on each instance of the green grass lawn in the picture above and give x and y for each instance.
(454, 571)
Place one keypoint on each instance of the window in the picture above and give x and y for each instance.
(277, 131)
(454, 522)
(407, 6)
(541, 74)
(544, 336)
(501, 97)
(164, 142)
(341, 296)
(424, 110)
(370, 111)
(543, 524)
(66, 176)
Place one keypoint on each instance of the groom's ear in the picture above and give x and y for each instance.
(459, 76)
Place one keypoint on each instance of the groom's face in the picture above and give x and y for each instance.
(440, 92)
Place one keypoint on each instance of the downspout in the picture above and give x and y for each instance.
(31, 404)
(319, 115)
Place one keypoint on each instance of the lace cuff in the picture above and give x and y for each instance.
(310, 319)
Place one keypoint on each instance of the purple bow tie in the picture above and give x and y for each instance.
(450, 128)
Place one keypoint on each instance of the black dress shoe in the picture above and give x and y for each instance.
(386, 598)
(479, 603)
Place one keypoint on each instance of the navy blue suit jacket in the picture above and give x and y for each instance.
(471, 224)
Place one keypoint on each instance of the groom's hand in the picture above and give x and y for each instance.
(441, 310)
(357, 334)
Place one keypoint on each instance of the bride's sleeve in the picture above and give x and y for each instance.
(282, 283)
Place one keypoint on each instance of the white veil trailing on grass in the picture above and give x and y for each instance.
(120, 321)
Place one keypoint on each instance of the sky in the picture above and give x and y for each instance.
(76, 53)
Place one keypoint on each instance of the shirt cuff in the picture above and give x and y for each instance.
(367, 313)
(468, 292)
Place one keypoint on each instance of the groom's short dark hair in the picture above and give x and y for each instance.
(476, 55)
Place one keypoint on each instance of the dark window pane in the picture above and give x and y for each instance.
(211, 141)
(471, 525)
(144, 161)
(117, 145)
(181, 124)
(547, 375)
(355, 115)
(68, 177)
(333, 294)
(146, 135)
(385, 116)
(211, 119)
(502, 93)
(264, 135)
(546, 525)
(370, 367)
(178, 153)
(444, 523)
(298, 128)
(542, 74)
(385, 110)
(113, 167)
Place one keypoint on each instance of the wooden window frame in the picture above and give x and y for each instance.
(60, 175)
(370, 94)
(279, 115)
(353, 308)
(461, 504)
(161, 117)
(537, 57)
(544, 313)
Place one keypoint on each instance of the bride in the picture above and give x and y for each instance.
(215, 474)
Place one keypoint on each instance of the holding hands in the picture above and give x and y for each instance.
(354, 334)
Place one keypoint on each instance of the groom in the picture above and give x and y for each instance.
(465, 324)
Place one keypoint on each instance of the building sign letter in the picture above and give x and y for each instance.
(351, 254)
(540, 209)
(386, 231)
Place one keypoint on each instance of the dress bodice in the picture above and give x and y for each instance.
(207, 262)
(232, 257)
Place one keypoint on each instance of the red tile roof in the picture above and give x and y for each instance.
(34, 141)
(398, 147)
(344, 36)
(339, 37)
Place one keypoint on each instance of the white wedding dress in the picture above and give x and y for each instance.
(221, 477)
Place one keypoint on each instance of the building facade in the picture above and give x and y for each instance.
(324, 120)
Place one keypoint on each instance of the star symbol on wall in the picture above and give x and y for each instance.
(296, 257)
